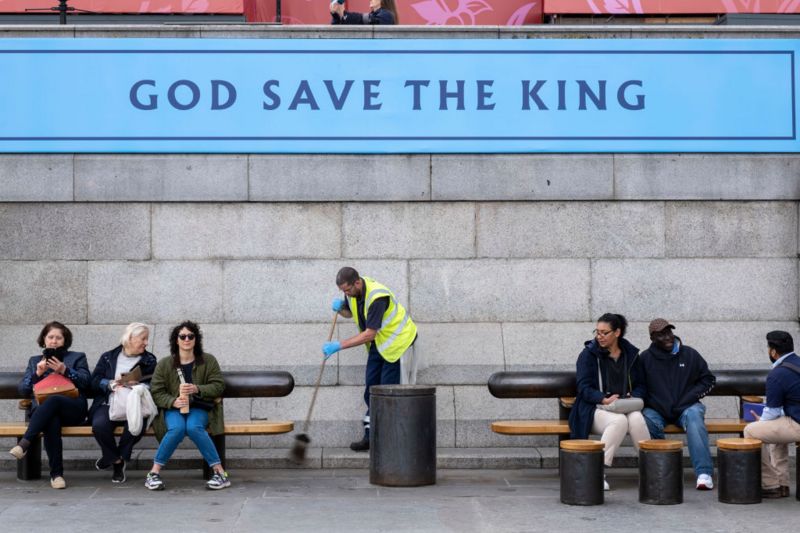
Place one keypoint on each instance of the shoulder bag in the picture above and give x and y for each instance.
(54, 384)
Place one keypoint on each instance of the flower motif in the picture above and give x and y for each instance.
(518, 17)
(460, 12)
(616, 7)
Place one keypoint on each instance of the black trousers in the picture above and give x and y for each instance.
(48, 418)
(103, 430)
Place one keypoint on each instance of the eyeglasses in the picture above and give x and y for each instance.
(186, 337)
(600, 333)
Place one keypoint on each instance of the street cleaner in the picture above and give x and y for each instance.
(385, 329)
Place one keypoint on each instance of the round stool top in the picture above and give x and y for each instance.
(402, 390)
(582, 445)
(738, 444)
(752, 399)
(660, 445)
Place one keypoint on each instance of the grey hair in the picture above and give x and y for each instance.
(132, 330)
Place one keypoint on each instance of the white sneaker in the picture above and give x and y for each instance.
(704, 482)
(606, 486)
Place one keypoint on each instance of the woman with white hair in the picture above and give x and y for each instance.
(130, 354)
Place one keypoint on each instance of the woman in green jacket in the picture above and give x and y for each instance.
(185, 388)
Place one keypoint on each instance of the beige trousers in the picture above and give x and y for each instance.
(776, 435)
(612, 428)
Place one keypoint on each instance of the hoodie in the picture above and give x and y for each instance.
(674, 382)
(590, 390)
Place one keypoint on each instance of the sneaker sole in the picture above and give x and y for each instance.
(160, 487)
(100, 468)
(705, 487)
(219, 487)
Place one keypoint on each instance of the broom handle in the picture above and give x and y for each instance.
(319, 377)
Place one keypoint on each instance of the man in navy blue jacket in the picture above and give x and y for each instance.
(677, 377)
(779, 424)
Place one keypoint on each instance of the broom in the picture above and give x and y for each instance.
(301, 441)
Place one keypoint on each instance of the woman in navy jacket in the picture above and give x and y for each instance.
(58, 410)
(608, 369)
(380, 12)
(128, 355)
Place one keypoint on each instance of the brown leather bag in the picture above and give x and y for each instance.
(54, 384)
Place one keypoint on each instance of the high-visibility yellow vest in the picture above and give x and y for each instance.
(397, 331)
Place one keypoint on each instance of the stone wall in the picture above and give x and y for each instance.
(503, 260)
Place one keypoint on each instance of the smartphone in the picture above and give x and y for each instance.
(53, 353)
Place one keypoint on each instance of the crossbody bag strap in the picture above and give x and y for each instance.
(791, 366)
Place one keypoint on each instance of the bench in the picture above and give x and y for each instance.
(255, 384)
(561, 385)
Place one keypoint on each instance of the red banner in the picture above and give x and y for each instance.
(669, 7)
(227, 7)
(425, 12)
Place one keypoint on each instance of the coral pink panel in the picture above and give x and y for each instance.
(431, 12)
(669, 7)
(132, 6)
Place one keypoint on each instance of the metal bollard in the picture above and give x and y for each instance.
(402, 437)
(660, 472)
(581, 470)
(739, 470)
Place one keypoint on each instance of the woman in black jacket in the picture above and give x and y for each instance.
(124, 358)
(380, 12)
(608, 369)
(58, 410)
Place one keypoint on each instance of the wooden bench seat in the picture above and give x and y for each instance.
(251, 427)
(561, 427)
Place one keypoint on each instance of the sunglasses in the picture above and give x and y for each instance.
(186, 337)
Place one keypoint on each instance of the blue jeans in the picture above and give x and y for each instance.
(179, 426)
(692, 420)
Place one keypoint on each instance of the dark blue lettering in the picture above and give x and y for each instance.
(303, 95)
(562, 95)
(416, 84)
(483, 94)
(272, 95)
(215, 103)
(192, 86)
(528, 94)
(338, 100)
(639, 105)
(134, 96)
(584, 90)
(444, 95)
(370, 95)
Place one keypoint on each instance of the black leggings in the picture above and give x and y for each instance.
(48, 418)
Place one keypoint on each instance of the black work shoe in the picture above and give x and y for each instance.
(772, 493)
(360, 445)
(119, 472)
(101, 464)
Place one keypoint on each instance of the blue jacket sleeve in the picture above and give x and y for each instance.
(25, 387)
(586, 379)
(99, 380)
(79, 374)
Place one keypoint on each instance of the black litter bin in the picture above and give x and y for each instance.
(739, 470)
(402, 437)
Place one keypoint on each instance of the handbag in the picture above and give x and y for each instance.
(118, 404)
(205, 405)
(623, 405)
(54, 384)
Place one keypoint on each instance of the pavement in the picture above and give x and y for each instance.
(343, 500)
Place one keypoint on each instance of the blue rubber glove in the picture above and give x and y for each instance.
(337, 305)
(330, 348)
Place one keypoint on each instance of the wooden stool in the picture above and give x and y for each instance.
(660, 472)
(739, 470)
(581, 467)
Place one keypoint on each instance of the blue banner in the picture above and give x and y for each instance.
(397, 96)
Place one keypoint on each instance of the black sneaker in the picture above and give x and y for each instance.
(119, 472)
(218, 481)
(153, 482)
(360, 445)
(101, 464)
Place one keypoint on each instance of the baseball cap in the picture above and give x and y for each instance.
(659, 324)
